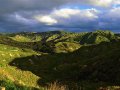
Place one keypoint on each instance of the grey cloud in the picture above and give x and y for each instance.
(25, 9)
(17, 5)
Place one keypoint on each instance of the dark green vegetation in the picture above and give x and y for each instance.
(85, 61)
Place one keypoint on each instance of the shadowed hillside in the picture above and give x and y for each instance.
(95, 63)
(85, 61)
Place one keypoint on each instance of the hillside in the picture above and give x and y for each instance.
(87, 60)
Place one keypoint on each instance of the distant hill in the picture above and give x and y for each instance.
(97, 37)
(57, 41)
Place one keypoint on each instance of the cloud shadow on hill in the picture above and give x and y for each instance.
(96, 63)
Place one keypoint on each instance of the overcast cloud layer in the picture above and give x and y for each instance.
(71, 15)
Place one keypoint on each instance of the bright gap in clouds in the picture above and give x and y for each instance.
(67, 16)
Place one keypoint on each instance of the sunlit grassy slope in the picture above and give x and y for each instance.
(74, 59)
(7, 54)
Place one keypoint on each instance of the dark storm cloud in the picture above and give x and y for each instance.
(16, 5)
(42, 15)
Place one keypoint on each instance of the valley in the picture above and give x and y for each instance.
(79, 61)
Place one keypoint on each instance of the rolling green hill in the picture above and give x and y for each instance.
(85, 61)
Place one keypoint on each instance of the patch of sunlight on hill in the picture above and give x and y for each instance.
(7, 54)
(21, 38)
(65, 47)
(26, 38)
(18, 76)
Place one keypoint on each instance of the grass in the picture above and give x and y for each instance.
(7, 54)
(66, 47)
(87, 63)
(56, 86)
(91, 66)
(23, 38)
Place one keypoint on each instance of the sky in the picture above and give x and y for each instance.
(70, 15)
